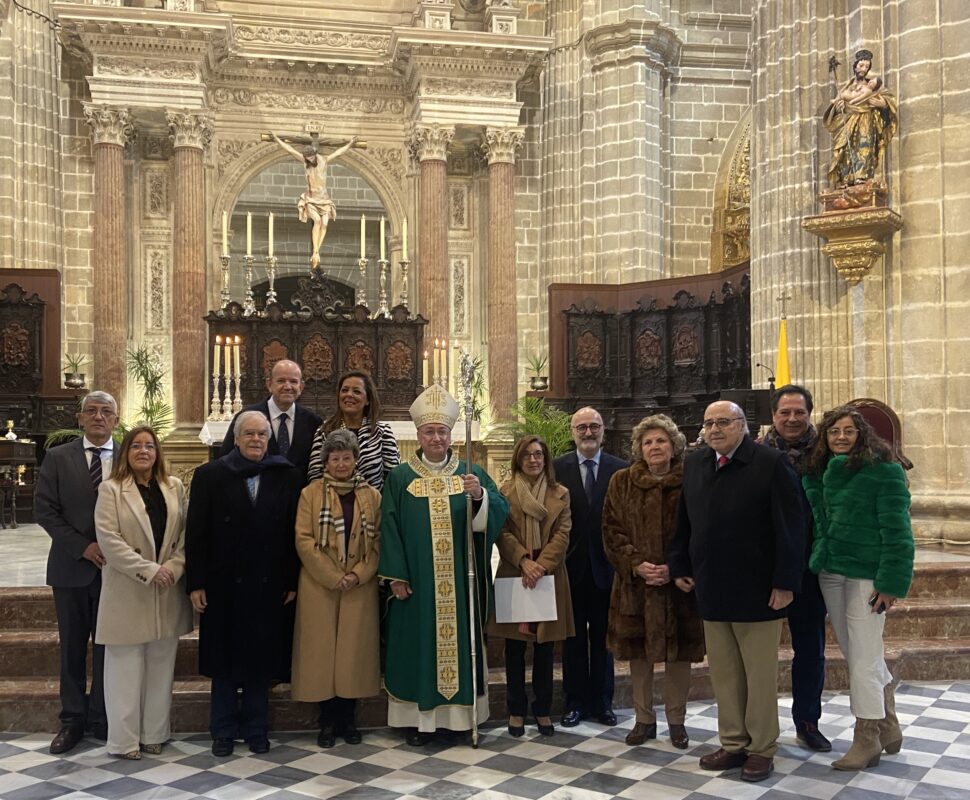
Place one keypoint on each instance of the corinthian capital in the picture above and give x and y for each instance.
(500, 144)
(430, 142)
(109, 125)
(189, 129)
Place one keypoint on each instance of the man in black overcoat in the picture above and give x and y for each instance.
(740, 544)
(587, 666)
(241, 568)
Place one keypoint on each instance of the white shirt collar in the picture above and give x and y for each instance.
(107, 447)
(596, 458)
(275, 410)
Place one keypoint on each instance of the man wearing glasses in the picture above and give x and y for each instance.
(587, 666)
(740, 544)
(64, 498)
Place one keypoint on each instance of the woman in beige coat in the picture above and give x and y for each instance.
(140, 523)
(336, 648)
(533, 543)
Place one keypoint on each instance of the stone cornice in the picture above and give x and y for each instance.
(633, 40)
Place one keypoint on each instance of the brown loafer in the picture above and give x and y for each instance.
(757, 768)
(721, 759)
(640, 733)
(66, 739)
(678, 736)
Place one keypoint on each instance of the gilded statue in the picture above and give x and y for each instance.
(315, 204)
(862, 119)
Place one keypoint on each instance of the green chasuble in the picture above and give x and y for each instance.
(428, 646)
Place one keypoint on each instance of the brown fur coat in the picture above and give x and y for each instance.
(655, 623)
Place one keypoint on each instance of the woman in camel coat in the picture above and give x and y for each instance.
(336, 656)
(650, 620)
(140, 524)
(533, 543)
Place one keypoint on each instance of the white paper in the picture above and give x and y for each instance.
(515, 603)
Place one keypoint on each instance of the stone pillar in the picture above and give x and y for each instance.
(111, 129)
(499, 146)
(430, 146)
(191, 133)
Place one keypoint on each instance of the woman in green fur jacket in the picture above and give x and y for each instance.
(863, 554)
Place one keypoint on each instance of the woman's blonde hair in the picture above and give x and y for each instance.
(663, 423)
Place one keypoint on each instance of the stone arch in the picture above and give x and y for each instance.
(731, 230)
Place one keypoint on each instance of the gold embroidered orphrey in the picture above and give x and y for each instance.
(438, 486)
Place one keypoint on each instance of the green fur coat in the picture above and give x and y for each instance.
(862, 526)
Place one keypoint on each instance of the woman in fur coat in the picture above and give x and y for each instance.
(650, 620)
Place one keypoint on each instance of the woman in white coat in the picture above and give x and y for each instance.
(140, 522)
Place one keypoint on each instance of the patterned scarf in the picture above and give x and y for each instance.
(331, 533)
(532, 501)
(796, 451)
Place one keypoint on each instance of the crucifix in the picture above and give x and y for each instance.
(783, 298)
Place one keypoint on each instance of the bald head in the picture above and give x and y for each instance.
(724, 426)
(285, 383)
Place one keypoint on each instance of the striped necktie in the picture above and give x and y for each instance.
(95, 467)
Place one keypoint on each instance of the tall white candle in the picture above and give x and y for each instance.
(225, 233)
(382, 240)
(424, 370)
(404, 240)
(363, 233)
(270, 233)
(235, 353)
(227, 356)
(249, 233)
(215, 355)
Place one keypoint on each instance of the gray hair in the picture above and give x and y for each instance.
(241, 420)
(660, 422)
(339, 441)
(99, 397)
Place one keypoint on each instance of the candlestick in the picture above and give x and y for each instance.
(437, 359)
(404, 281)
(236, 395)
(404, 240)
(363, 232)
(249, 304)
(270, 253)
(445, 361)
(224, 258)
(361, 294)
(271, 274)
(225, 233)
(214, 404)
(382, 310)
(249, 233)
(382, 239)
(424, 370)
(235, 353)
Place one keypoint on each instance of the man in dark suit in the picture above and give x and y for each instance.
(294, 440)
(587, 666)
(740, 543)
(64, 498)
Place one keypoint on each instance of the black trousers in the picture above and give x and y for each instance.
(337, 712)
(239, 715)
(541, 677)
(587, 666)
(806, 621)
(77, 619)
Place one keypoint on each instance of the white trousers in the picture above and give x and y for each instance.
(138, 693)
(859, 633)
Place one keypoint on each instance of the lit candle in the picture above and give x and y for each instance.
(270, 233)
(382, 240)
(215, 356)
(424, 370)
(225, 233)
(235, 353)
(404, 240)
(227, 357)
(445, 363)
(249, 233)
(363, 226)
(437, 359)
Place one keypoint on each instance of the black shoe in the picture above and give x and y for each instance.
(259, 745)
(326, 738)
(516, 730)
(546, 730)
(66, 739)
(607, 718)
(351, 734)
(811, 737)
(100, 732)
(416, 738)
(222, 747)
(571, 718)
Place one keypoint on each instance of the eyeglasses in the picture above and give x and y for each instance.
(139, 446)
(835, 433)
(104, 413)
(538, 455)
(594, 427)
(720, 422)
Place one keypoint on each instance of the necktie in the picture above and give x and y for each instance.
(95, 468)
(721, 461)
(283, 436)
(590, 481)
(251, 485)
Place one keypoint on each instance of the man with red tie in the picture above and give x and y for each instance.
(740, 544)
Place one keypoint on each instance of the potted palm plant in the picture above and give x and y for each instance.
(73, 364)
(539, 382)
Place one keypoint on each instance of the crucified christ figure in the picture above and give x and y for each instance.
(315, 204)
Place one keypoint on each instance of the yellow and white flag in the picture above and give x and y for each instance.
(782, 370)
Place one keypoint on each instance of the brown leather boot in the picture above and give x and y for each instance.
(865, 749)
(890, 734)
(640, 733)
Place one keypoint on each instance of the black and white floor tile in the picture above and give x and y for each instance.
(589, 762)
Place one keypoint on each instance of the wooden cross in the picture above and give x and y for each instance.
(314, 129)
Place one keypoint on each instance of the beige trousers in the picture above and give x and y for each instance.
(676, 688)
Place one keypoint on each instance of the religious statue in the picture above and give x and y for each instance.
(862, 119)
(315, 204)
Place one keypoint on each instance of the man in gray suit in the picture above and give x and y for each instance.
(64, 498)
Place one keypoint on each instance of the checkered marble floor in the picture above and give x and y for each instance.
(589, 762)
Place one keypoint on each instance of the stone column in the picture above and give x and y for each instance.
(499, 146)
(191, 133)
(111, 129)
(430, 146)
